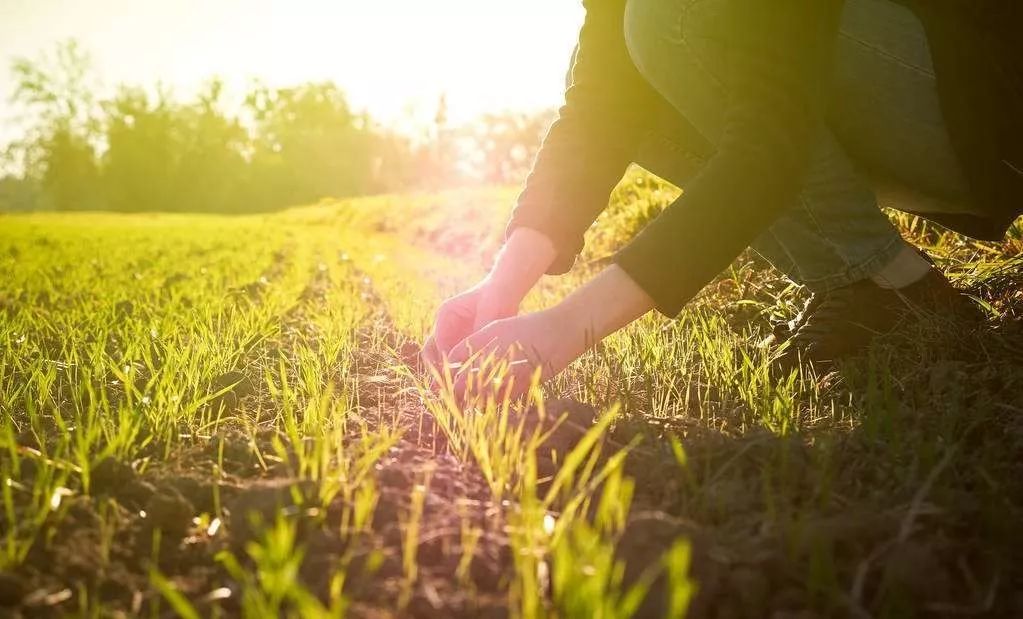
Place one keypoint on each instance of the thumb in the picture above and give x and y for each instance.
(453, 325)
(488, 310)
(470, 345)
(429, 353)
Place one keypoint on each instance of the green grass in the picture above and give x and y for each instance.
(220, 416)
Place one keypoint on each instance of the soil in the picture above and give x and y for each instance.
(954, 551)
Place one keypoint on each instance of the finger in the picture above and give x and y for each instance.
(523, 376)
(470, 373)
(492, 357)
(434, 383)
(458, 387)
(494, 373)
(486, 313)
(429, 353)
(476, 342)
(473, 384)
(454, 323)
(469, 384)
(442, 375)
(507, 379)
(432, 360)
(438, 371)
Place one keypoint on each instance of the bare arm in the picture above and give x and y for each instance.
(551, 339)
(609, 302)
(524, 258)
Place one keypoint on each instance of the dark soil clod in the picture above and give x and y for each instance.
(231, 386)
(170, 512)
(111, 476)
(12, 589)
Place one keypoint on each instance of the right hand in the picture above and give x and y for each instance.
(521, 262)
(464, 314)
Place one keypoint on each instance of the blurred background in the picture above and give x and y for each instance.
(255, 105)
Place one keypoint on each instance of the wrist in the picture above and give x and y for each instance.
(498, 301)
(525, 257)
(605, 304)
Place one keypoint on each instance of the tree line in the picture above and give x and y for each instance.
(140, 150)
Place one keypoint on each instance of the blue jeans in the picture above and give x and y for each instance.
(883, 115)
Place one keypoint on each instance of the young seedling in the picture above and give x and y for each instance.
(410, 523)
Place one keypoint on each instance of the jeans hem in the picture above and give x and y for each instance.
(858, 272)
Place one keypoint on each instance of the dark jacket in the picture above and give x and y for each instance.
(778, 66)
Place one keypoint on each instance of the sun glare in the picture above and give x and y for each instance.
(393, 58)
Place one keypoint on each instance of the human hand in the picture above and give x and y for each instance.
(520, 264)
(464, 314)
(502, 357)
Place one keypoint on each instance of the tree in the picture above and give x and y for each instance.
(213, 161)
(18, 194)
(143, 150)
(309, 144)
(171, 157)
(59, 149)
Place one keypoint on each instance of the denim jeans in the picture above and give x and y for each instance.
(883, 115)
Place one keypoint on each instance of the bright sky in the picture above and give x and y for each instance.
(389, 55)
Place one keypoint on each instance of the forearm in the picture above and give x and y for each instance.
(608, 111)
(770, 121)
(607, 303)
(521, 263)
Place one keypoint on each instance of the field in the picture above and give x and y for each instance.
(216, 416)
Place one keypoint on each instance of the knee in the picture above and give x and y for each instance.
(642, 30)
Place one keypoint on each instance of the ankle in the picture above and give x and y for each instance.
(907, 268)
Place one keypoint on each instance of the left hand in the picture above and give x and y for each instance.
(547, 340)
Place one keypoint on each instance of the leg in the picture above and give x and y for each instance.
(674, 151)
(834, 234)
(834, 238)
(886, 111)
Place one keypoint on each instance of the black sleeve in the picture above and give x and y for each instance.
(775, 70)
(593, 140)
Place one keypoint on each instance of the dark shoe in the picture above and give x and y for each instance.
(843, 322)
